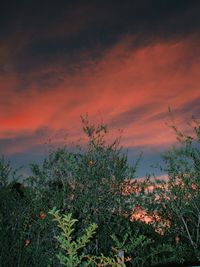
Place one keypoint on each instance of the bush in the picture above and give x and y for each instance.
(175, 202)
(90, 183)
(26, 233)
(94, 184)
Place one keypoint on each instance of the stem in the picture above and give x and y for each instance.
(189, 235)
(198, 225)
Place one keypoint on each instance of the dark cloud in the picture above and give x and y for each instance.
(191, 108)
(45, 80)
(119, 17)
(50, 33)
(161, 116)
(186, 111)
(133, 115)
(49, 79)
(23, 139)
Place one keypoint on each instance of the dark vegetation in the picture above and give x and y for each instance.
(95, 185)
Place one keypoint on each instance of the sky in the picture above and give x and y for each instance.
(122, 62)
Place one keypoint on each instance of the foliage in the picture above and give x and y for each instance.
(7, 174)
(90, 181)
(176, 200)
(26, 232)
(183, 194)
(144, 250)
(73, 250)
(94, 184)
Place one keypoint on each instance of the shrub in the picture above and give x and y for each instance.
(94, 184)
(176, 200)
(73, 253)
(89, 182)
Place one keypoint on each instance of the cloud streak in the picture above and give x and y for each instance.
(124, 63)
(132, 88)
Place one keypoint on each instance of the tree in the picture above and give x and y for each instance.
(176, 200)
(90, 182)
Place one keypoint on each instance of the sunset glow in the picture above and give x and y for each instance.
(52, 74)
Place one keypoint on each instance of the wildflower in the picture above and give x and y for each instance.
(26, 242)
(194, 186)
(42, 215)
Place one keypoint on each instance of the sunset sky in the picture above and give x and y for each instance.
(122, 62)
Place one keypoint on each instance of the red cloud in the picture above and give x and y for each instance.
(131, 88)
